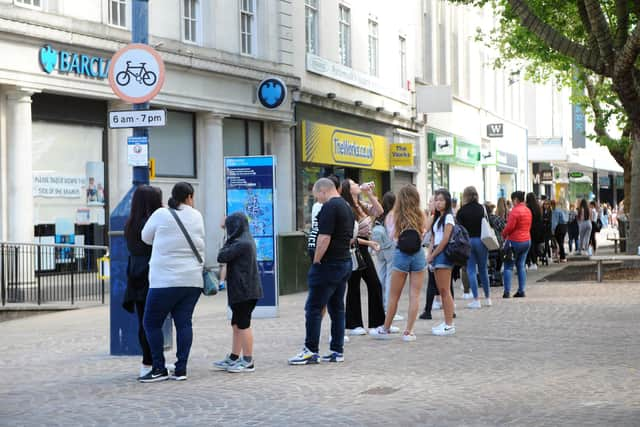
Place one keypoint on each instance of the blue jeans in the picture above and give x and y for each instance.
(406, 263)
(180, 302)
(477, 264)
(327, 285)
(521, 249)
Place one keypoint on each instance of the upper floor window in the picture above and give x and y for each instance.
(118, 13)
(345, 35)
(248, 26)
(190, 20)
(373, 47)
(403, 61)
(311, 25)
(36, 4)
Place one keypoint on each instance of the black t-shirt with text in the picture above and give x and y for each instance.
(336, 219)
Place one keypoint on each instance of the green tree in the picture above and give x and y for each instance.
(593, 45)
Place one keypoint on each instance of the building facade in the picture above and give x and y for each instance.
(62, 170)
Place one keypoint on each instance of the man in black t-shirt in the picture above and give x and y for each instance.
(327, 277)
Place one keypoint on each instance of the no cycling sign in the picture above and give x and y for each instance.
(136, 73)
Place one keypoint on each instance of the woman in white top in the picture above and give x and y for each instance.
(175, 279)
(364, 214)
(442, 228)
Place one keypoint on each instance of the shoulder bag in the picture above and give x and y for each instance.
(488, 234)
(209, 280)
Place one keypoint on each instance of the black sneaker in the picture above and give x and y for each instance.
(506, 295)
(519, 295)
(155, 376)
(425, 316)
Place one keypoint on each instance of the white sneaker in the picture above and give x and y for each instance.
(380, 333)
(170, 367)
(475, 304)
(533, 267)
(144, 370)
(408, 336)
(445, 330)
(467, 296)
(440, 326)
(357, 331)
(394, 329)
(398, 318)
(436, 305)
(487, 302)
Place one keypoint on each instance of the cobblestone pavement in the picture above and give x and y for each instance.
(568, 354)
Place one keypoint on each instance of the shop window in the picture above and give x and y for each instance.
(35, 4)
(242, 138)
(118, 13)
(439, 174)
(402, 42)
(173, 146)
(373, 47)
(68, 174)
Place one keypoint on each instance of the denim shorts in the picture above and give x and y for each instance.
(442, 261)
(407, 263)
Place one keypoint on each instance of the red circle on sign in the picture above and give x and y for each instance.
(159, 80)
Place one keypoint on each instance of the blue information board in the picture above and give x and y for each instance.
(250, 187)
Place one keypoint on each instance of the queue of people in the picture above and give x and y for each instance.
(439, 244)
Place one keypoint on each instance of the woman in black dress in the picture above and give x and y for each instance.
(146, 199)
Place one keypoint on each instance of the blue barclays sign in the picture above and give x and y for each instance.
(71, 62)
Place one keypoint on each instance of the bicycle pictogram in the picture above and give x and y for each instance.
(143, 76)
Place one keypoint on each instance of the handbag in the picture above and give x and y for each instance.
(209, 280)
(357, 260)
(488, 234)
(409, 241)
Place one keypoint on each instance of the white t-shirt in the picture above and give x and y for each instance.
(438, 233)
(173, 263)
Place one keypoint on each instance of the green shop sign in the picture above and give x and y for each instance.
(452, 150)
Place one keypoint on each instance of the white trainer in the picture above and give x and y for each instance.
(357, 331)
(380, 333)
(533, 267)
(436, 305)
(398, 318)
(445, 330)
(487, 302)
(408, 336)
(440, 326)
(474, 304)
(468, 295)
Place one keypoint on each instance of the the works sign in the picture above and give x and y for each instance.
(72, 62)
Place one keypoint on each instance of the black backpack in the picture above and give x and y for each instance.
(409, 241)
(459, 247)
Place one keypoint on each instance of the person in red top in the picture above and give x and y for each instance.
(517, 241)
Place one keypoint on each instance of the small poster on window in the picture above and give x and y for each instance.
(95, 183)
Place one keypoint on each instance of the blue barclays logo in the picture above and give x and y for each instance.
(71, 62)
(272, 92)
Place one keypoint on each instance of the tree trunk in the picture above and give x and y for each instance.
(632, 199)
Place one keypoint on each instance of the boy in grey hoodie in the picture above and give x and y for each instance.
(244, 289)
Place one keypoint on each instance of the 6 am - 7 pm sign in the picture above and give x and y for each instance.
(137, 118)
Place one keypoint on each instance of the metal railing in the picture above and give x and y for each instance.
(40, 273)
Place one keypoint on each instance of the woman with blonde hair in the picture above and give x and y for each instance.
(501, 209)
(407, 225)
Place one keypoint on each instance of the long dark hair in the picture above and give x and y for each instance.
(345, 192)
(534, 207)
(388, 200)
(146, 199)
(180, 192)
(584, 210)
(439, 218)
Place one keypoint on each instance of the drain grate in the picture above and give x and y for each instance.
(380, 391)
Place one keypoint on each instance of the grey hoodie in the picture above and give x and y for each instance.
(239, 253)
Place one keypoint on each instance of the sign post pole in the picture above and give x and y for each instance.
(137, 83)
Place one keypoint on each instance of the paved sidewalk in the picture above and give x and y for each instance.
(568, 354)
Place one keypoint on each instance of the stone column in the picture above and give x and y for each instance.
(213, 185)
(19, 166)
(284, 150)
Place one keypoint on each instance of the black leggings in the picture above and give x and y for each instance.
(432, 291)
(561, 232)
(142, 336)
(374, 292)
